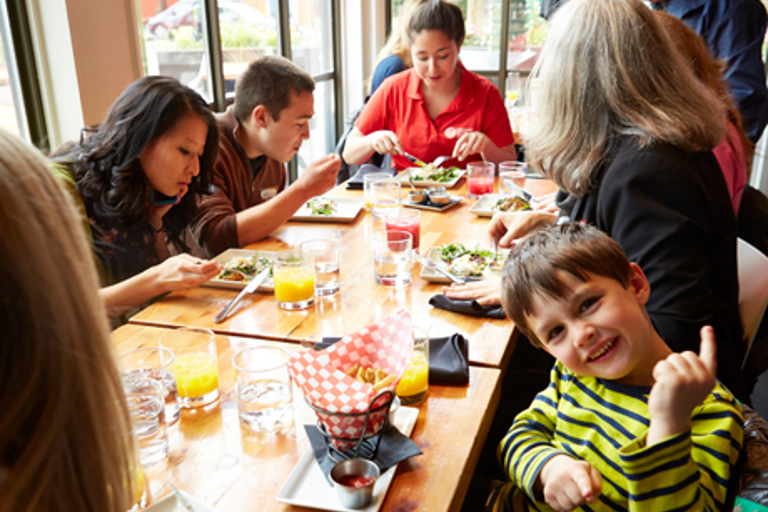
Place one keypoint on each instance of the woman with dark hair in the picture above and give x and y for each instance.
(437, 107)
(136, 180)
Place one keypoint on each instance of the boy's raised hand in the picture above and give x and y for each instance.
(683, 381)
(568, 483)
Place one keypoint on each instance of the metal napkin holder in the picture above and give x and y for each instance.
(367, 445)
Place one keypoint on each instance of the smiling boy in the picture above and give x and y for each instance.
(262, 131)
(625, 423)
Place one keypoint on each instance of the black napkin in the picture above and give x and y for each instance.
(356, 181)
(448, 359)
(468, 307)
(393, 448)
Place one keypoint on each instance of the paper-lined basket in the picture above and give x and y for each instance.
(385, 345)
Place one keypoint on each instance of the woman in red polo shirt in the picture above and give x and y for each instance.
(437, 107)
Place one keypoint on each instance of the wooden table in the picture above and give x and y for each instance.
(230, 469)
(361, 301)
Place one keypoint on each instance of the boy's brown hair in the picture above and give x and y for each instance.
(533, 264)
(269, 81)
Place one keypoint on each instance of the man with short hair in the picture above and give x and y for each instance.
(262, 131)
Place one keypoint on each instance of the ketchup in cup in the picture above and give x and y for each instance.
(408, 220)
(355, 481)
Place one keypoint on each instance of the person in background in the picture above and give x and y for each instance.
(136, 181)
(638, 165)
(437, 108)
(395, 56)
(734, 31)
(734, 153)
(65, 432)
(258, 135)
(625, 423)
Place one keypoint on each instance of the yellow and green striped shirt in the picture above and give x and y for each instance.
(605, 423)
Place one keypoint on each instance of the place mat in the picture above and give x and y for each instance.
(356, 181)
(448, 359)
(394, 447)
(467, 307)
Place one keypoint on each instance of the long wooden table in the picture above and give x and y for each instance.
(230, 469)
(361, 301)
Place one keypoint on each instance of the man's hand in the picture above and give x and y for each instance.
(509, 226)
(568, 483)
(683, 381)
(319, 176)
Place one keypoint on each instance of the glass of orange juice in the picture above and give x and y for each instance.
(294, 280)
(195, 366)
(414, 384)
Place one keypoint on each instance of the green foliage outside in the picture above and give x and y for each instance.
(233, 35)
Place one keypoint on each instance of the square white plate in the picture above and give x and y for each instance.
(434, 277)
(347, 209)
(307, 486)
(172, 503)
(403, 176)
(483, 207)
(266, 286)
(433, 208)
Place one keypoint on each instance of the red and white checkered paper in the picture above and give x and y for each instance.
(385, 345)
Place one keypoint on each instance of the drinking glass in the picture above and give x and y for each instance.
(195, 366)
(146, 405)
(294, 280)
(324, 255)
(155, 363)
(392, 257)
(414, 384)
(263, 388)
(512, 176)
(479, 179)
(408, 220)
(368, 179)
(514, 88)
(385, 198)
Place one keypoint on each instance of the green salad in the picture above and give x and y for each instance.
(466, 262)
(244, 269)
(322, 206)
(430, 172)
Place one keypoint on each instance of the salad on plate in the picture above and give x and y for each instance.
(322, 206)
(244, 269)
(465, 262)
(431, 172)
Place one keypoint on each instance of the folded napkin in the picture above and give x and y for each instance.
(356, 181)
(448, 359)
(467, 307)
(393, 448)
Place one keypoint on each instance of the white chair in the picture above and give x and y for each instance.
(753, 290)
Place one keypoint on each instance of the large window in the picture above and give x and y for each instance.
(180, 40)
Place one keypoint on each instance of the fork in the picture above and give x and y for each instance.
(437, 161)
(494, 262)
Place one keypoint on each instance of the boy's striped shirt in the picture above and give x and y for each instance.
(605, 423)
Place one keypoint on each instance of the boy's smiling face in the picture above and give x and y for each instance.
(600, 328)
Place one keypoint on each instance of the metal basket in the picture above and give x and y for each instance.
(366, 445)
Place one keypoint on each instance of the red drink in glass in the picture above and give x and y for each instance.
(479, 186)
(410, 223)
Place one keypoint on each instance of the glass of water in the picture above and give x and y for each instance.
(324, 255)
(154, 362)
(263, 388)
(146, 405)
(385, 198)
(392, 257)
(512, 176)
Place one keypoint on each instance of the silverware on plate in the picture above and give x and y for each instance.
(437, 268)
(250, 288)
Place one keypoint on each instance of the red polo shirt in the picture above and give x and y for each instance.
(398, 105)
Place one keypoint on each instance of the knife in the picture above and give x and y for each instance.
(250, 288)
(437, 268)
(414, 159)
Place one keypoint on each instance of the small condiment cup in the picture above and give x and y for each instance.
(436, 189)
(418, 196)
(349, 495)
(440, 199)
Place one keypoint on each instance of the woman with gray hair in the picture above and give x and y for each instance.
(626, 130)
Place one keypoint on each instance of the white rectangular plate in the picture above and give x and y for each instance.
(403, 176)
(483, 206)
(347, 209)
(172, 503)
(434, 277)
(307, 486)
(266, 286)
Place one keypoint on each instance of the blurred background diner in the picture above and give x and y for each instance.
(646, 121)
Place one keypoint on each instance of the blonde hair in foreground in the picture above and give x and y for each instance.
(65, 441)
(607, 70)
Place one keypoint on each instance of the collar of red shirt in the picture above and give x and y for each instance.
(463, 99)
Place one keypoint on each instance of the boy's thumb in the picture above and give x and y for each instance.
(708, 352)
